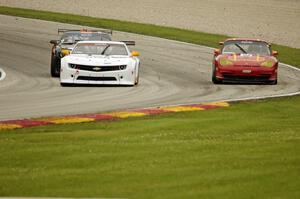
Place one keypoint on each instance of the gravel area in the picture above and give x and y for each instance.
(277, 21)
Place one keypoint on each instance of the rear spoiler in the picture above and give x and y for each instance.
(129, 43)
(62, 30)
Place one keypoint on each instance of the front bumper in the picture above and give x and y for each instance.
(74, 76)
(246, 74)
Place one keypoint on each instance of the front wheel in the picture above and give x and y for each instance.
(214, 79)
(273, 82)
(137, 80)
(65, 84)
(55, 66)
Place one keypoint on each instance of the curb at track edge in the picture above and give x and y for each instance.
(116, 115)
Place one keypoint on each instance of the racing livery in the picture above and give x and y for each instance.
(100, 62)
(245, 60)
(67, 42)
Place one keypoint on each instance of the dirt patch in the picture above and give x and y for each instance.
(273, 20)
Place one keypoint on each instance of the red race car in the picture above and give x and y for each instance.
(245, 60)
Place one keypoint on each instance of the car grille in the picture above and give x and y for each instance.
(89, 78)
(97, 68)
(247, 78)
(246, 65)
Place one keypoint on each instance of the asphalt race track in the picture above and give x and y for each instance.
(171, 73)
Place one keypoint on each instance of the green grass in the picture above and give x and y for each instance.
(287, 55)
(249, 150)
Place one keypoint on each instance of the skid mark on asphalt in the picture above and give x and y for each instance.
(25, 123)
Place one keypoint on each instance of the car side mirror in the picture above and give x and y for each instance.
(217, 52)
(54, 42)
(135, 54)
(274, 53)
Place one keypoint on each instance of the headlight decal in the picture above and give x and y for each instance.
(268, 63)
(65, 52)
(226, 62)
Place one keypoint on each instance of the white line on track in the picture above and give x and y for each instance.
(2, 74)
(289, 66)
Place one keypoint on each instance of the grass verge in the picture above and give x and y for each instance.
(249, 150)
(287, 55)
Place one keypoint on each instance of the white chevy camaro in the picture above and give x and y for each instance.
(100, 62)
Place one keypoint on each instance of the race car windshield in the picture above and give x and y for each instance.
(71, 38)
(246, 47)
(100, 49)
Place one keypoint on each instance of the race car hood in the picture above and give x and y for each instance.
(98, 60)
(246, 60)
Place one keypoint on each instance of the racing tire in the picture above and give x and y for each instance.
(137, 81)
(273, 82)
(55, 66)
(214, 79)
(65, 84)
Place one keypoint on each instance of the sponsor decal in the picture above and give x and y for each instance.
(246, 71)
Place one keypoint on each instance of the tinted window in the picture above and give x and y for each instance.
(73, 37)
(100, 49)
(246, 47)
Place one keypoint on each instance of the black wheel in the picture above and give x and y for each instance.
(55, 66)
(137, 80)
(66, 84)
(214, 79)
(273, 82)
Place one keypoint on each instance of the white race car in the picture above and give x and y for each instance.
(100, 62)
